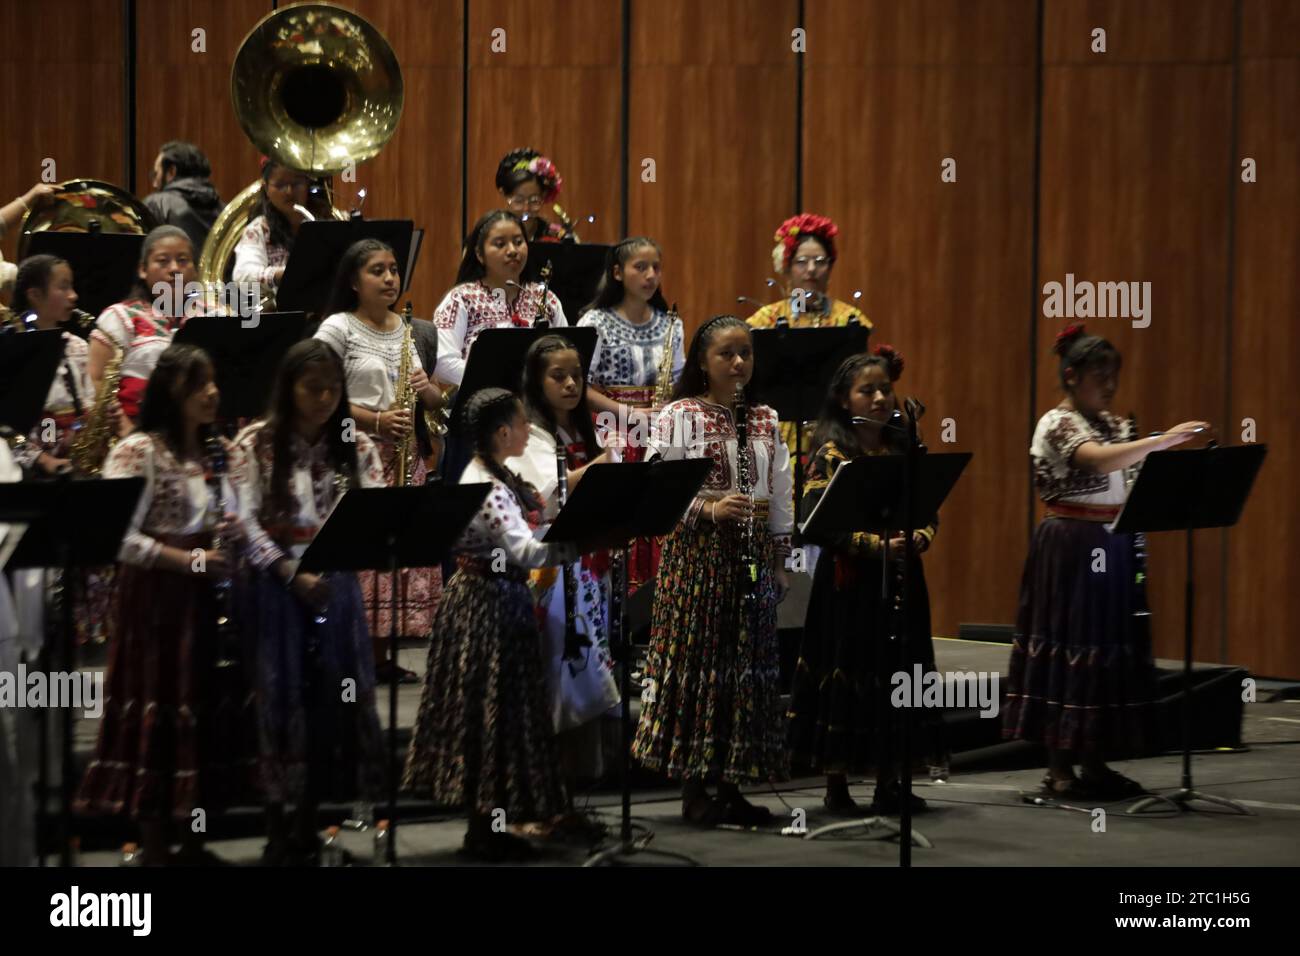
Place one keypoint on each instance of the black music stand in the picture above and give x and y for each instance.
(309, 273)
(496, 360)
(882, 494)
(245, 357)
(71, 524)
(385, 529)
(1183, 491)
(28, 363)
(103, 264)
(615, 504)
(791, 370)
(576, 269)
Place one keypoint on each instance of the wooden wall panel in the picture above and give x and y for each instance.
(713, 104)
(1135, 188)
(418, 175)
(945, 268)
(1263, 601)
(1147, 32)
(557, 89)
(60, 93)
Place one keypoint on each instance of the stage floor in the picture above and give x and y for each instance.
(977, 818)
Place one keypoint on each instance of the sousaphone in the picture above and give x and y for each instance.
(86, 205)
(316, 88)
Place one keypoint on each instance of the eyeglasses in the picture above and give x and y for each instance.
(804, 262)
(292, 186)
(518, 202)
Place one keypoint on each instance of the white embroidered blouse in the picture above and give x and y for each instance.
(628, 354)
(696, 428)
(1058, 436)
(312, 486)
(370, 358)
(175, 499)
(500, 523)
(257, 257)
(471, 307)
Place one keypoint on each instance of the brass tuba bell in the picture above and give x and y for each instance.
(86, 205)
(316, 88)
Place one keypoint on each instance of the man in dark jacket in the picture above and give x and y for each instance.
(184, 196)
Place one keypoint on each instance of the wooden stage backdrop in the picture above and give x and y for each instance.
(1117, 166)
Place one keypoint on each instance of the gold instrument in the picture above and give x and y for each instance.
(664, 374)
(317, 89)
(406, 399)
(86, 205)
(97, 434)
(540, 321)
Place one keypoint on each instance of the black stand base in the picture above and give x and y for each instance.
(1183, 796)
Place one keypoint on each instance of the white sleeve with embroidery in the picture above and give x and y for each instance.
(251, 258)
(503, 517)
(452, 321)
(133, 458)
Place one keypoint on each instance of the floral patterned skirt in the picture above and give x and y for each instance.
(317, 722)
(418, 589)
(178, 732)
(483, 738)
(711, 704)
(1081, 675)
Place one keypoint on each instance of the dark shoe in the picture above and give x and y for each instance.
(1111, 785)
(887, 801)
(740, 812)
(842, 805)
(1066, 788)
(497, 848)
(200, 857)
(384, 674)
(703, 811)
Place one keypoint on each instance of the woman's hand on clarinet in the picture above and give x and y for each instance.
(394, 423)
(732, 508)
(216, 565)
(1182, 432)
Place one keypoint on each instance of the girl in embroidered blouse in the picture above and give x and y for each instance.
(1081, 676)
(263, 250)
(841, 720)
(312, 633)
(487, 294)
(136, 325)
(44, 288)
(178, 732)
(710, 709)
(483, 737)
(365, 332)
(554, 395)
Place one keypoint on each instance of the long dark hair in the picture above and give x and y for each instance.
(181, 370)
(278, 222)
(343, 297)
(1084, 353)
(835, 423)
(486, 411)
(280, 413)
(611, 291)
(694, 381)
(34, 272)
(156, 235)
(471, 269)
(539, 411)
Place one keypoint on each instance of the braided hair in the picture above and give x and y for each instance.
(1084, 353)
(485, 412)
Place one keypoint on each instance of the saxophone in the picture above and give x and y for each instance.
(95, 436)
(405, 399)
(664, 374)
(540, 321)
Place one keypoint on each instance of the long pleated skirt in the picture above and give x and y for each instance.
(841, 717)
(710, 707)
(1081, 676)
(179, 731)
(317, 724)
(483, 737)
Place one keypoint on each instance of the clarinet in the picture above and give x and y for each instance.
(574, 641)
(748, 560)
(227, 638)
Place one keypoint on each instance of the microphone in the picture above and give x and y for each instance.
(355, 214)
